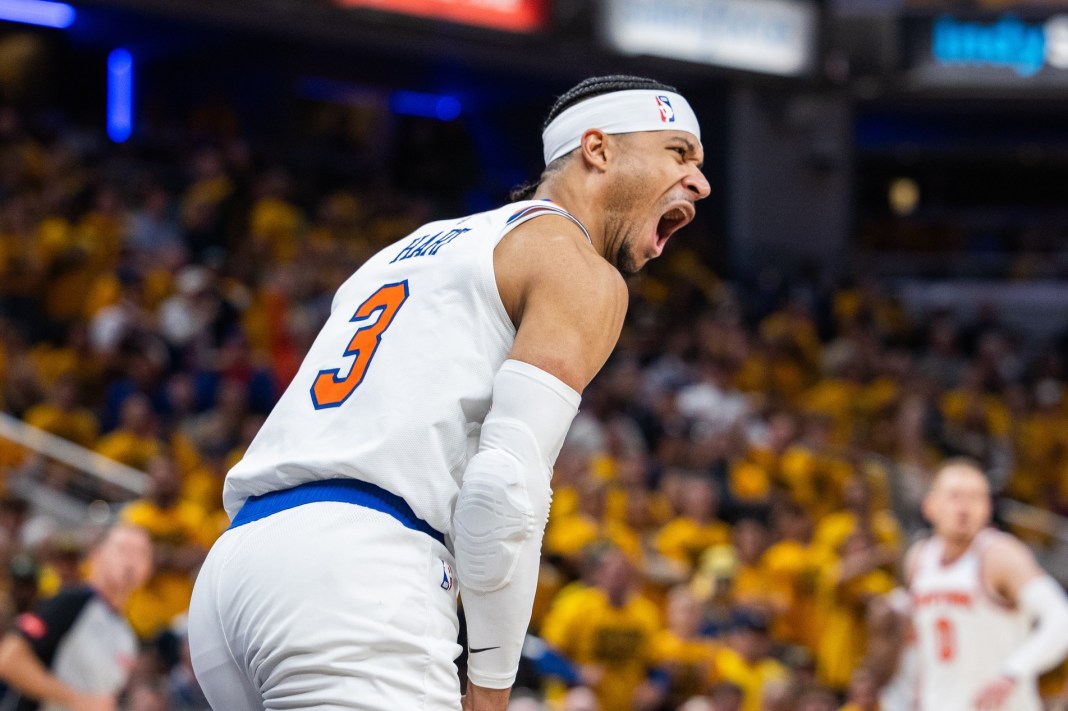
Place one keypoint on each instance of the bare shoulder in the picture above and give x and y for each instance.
(566, 301)
(1006, 550)
(1008, 565)
(554, 249)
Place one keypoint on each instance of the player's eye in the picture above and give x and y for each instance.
(680, 150)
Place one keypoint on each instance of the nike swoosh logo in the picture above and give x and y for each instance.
(483, 649)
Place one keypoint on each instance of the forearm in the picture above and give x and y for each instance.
(479, 698)
(498, 615)
(497, 624)
(22, 670)
(1047, 644)
(501, 513)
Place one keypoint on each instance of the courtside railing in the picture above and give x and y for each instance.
(64, 480)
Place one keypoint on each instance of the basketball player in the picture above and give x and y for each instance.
(987, 620)
(412, 454)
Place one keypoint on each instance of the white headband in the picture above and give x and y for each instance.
(619, 112)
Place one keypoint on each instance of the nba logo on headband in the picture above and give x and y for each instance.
(627, 111)
(667, 114)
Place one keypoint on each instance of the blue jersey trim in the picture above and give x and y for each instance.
(347, 491)
(549, 209)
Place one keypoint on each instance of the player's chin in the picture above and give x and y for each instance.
(965, 533)
(629, 261)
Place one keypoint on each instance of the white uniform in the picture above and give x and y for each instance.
(963, 634)
(328, 605)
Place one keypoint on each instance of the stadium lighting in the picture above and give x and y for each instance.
(120, 95)
(38, 12)
(435, 106)
(441, 107)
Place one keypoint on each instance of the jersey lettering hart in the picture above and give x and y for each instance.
(963, 635)
(396, 386)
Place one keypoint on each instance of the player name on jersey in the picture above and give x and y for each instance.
(428, 245)
(943, 597)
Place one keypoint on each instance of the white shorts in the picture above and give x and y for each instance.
(326, 606)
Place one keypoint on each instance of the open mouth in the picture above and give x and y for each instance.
(671, 222)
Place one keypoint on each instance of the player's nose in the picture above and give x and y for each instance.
(696, 182)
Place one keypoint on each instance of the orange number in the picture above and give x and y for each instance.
(946, 639)
(329, 390)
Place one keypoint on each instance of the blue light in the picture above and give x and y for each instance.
(37, 12)
(435, 106)
(120, 95)
(1008, 42)
(448, 108)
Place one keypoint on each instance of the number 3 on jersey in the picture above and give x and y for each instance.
(329, 390)
(945, 639)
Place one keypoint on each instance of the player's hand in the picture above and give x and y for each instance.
(479, 698)
(94, 702)
(993, 696)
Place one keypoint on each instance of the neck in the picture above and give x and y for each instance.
(953, 548)
(113, 598)
(575, 198)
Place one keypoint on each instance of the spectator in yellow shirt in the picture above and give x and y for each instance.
(135, 441)
(685, 657)
(62, 415)
(181, 535)
(810, 470)
(567, 536)
(630, 499)
(609, 630)
(697, 527)
(752, 585)
(1040, 445)
(746, 660)
(971, 400)
(858, 513)
(792, 565)
(845, 589)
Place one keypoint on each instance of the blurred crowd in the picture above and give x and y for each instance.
(739, 485)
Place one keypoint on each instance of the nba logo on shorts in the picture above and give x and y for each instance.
(667, 114)
(447, 576)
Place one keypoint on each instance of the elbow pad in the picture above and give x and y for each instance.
(501, 512)
(1044, 601)
(497, 512)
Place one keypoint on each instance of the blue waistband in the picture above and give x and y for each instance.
(348, 491)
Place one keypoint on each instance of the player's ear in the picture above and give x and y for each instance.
(926, 506)
(595, 149)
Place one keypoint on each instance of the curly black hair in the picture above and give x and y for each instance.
(595, 86)
(586, 89)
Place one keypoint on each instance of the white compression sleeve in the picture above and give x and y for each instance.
(1044, 601)
(501, 513)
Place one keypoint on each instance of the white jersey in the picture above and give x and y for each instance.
(963, 635)
(396, 386)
